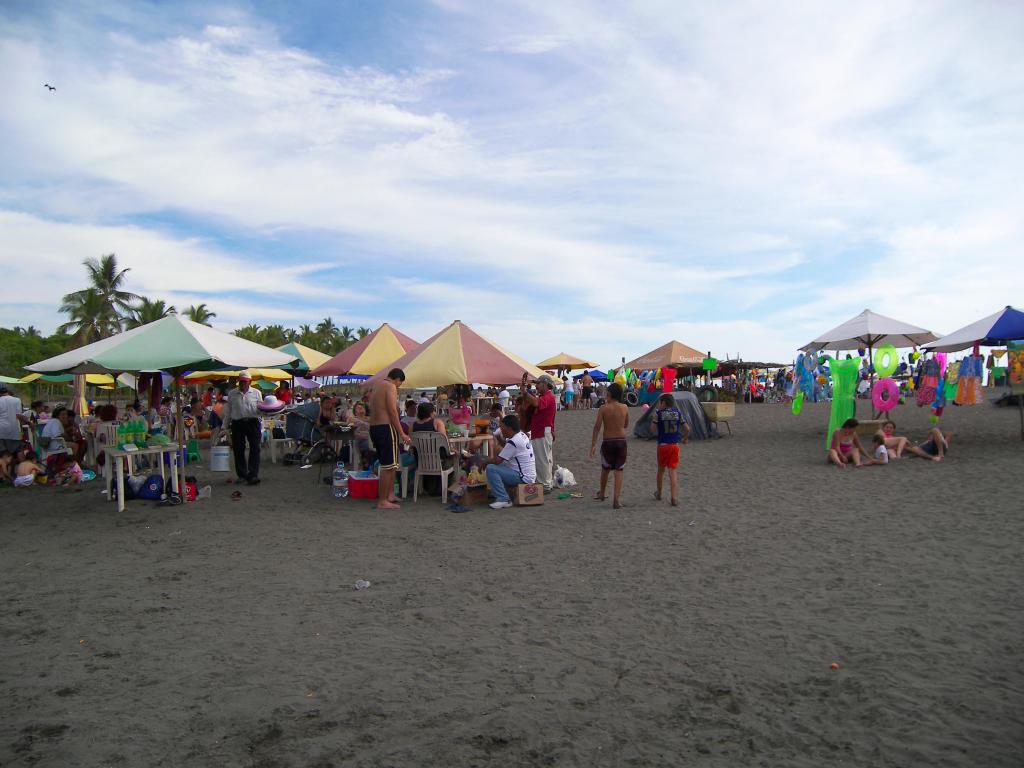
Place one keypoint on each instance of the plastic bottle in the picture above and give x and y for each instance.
(339, 481)
(122, 435)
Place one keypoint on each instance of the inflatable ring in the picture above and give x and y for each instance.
(798, 403)
(885, 395)
(632, 399)
(886, 360)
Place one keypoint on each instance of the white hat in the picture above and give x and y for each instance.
(270, 403)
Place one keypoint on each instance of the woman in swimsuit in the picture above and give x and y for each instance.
(846, 447)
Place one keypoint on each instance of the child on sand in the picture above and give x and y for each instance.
(613, 418)
(27, 470)
(881, 453)
(671, 429)
(846, 447)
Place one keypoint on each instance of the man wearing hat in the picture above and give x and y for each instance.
(10, 420)
(542, 427)
(241, 416)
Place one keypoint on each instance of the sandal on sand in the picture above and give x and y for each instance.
(598, 497)
(236, 495)
(575, 495)
(657, 496)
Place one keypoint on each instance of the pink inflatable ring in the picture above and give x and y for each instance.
(885, 395)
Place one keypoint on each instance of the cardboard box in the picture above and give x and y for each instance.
(529, 494)
(475, 494)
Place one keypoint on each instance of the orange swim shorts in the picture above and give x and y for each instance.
(668, 455)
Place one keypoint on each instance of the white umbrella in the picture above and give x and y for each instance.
(869, 329)
(171, 344)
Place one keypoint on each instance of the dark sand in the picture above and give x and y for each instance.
(229, 633)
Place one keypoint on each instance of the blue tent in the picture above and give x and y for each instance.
(595, 374)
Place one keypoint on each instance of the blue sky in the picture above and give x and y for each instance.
(589, 177)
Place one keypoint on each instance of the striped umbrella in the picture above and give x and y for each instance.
(459, 355)
(368, 355)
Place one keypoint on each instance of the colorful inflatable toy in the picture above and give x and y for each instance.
(885, 395)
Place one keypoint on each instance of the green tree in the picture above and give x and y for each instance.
(147, 311)
(273, 336)
(105, 295)
(198, 313)
(362, 332)
(251, 332)
(89, 317)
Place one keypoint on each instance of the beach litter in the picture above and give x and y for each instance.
(835, 665)
(362, 584)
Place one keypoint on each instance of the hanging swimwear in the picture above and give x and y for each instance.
(968, 388)
(929, 383)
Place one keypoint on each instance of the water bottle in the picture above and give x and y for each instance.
(339, 481)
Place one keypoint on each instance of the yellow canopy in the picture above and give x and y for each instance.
(566, 362)
(98, 379)
(368, 355)
(258, 374)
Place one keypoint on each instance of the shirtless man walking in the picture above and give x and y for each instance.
(385, 432)
(613, 418)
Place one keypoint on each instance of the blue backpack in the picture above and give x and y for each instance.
(152, 489)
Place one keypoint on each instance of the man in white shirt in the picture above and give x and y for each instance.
(241, 416)
(513, 465)
(11, 420)
(503, 398)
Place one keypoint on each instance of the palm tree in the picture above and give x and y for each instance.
(32, 333)
(346, 337)
(251, 332)
(307, 336)
(273, 336)
(362, 332)
(90, 318)
(107, 281)
(198, 313)
(327, 330)
(147, 311)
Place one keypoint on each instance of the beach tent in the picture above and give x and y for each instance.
(998, 329)
(564, 362)
(306, 358)
(173, 344)
(868, 330)
(693, 414)
(459, 355)
(674, 354)
(595, 374)
(10, 380)
(368, 355)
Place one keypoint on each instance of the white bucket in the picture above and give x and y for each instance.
(220, 458)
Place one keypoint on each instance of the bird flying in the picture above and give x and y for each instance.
(51, 87)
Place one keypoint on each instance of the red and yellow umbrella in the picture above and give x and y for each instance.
(368, 355)
(459, 355)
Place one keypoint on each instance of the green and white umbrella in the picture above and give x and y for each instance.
(171, 344)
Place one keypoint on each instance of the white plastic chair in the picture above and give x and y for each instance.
(428, 461)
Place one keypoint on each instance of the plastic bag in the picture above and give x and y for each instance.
(564, 478)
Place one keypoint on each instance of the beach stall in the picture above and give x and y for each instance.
(1005, 327)
(173, 344)
(674, 354)
(869, 330)
(368, 355)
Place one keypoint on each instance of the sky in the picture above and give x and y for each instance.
(590, 177)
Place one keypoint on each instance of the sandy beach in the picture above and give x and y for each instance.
(229, 633)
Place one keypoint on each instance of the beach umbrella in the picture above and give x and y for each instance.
(256, 374)
(368, 355)
(869, 329)
(459, 355)
(674, 354)
(564, 362)
(997, 329)
(306, 358)
(1001, 328)
(10, 380)
(173, 344)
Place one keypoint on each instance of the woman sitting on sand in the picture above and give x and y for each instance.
(895, 444)
(846, 447)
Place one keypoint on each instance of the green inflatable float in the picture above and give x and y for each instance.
(844, 387)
